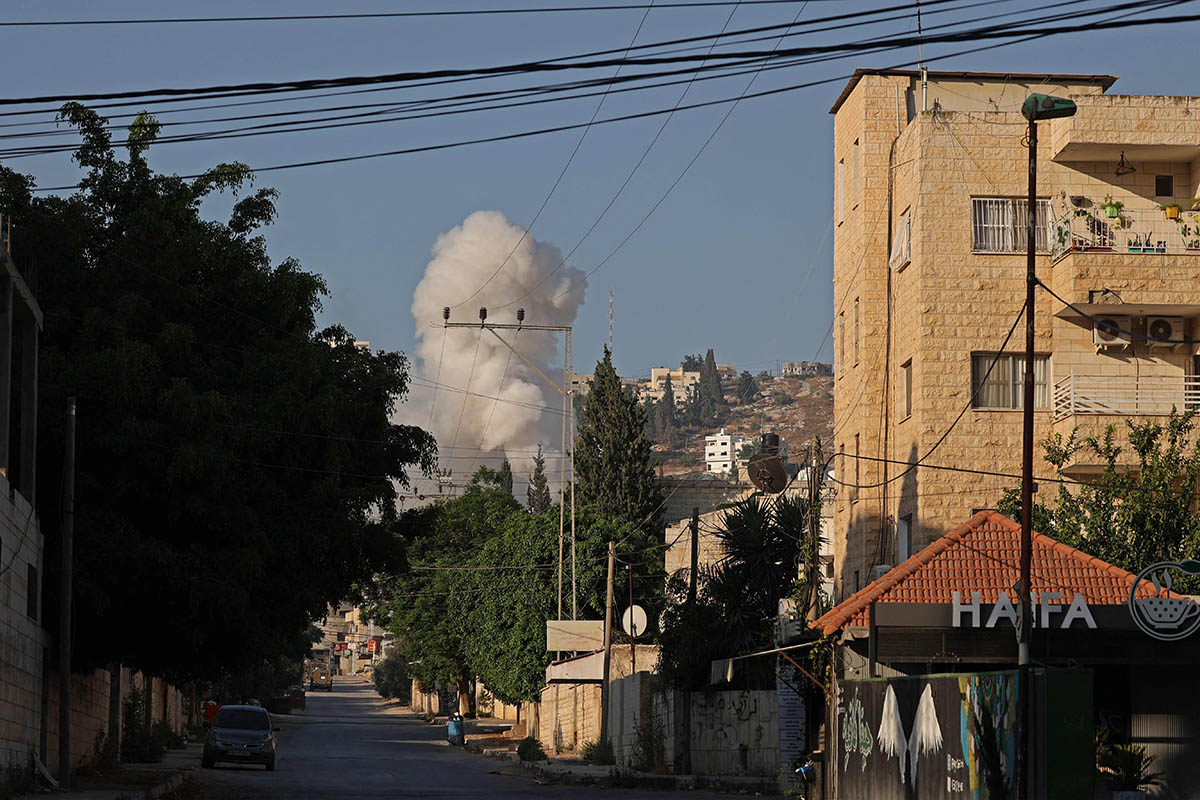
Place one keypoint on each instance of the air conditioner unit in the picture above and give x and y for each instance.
(1111, 331)
(1164, 331)
(879, 570)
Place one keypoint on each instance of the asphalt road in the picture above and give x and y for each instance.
(349, 744)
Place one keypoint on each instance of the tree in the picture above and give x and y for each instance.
(691, 363)
(747, 387)
(612, 454)
(662, 414)
(1129, 517)
(390, 677)
(737, 599)
(483, 478)
(237, 466)
(538, 493)
(505, 476)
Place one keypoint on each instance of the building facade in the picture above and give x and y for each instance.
(721, 452)
(682, 384)
(929, 265)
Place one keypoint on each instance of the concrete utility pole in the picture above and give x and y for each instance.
(608, 617)
(568, 427)
(67, 565)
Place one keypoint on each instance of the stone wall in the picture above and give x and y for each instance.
(682, 495)
(23, 642)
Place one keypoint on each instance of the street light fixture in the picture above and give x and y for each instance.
(1036, 107)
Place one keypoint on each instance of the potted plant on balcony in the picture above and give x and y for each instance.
(1126, 767)
(1171, 210)
(1112, 208)
(1195, 204)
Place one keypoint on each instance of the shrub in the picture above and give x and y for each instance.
(600, 752)
(530, 749)
(140, 743)
(649, 750)
(391, 679)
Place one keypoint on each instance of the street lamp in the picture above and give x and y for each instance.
(1035, 108)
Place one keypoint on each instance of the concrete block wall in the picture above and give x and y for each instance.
(569, 716)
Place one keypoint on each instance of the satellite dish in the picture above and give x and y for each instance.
(633, 621)
(766, 472)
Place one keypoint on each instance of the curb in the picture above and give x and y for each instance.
(616, 778)
(169, 785)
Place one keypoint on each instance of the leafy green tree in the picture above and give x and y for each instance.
(390, 677)
(612, 454)
(1129, 517)
(692, 363)
(538, 493)
(747, 387)
(237, 466)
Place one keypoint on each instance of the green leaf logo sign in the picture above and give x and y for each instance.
(1160, 615)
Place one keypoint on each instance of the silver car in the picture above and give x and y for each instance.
(241, 735)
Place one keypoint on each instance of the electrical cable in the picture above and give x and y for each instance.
(991, 32)
(570, 159)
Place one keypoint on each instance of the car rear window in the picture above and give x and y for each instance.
(243, 719)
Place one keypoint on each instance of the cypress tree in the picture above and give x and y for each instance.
(504, 477)
(538, 493)
(612, 454)
(709, 388)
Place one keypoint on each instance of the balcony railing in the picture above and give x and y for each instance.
(1092, 230)
(1132, 396)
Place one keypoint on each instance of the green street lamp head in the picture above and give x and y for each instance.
(1046, 106)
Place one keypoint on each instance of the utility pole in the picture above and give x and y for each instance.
(632, 625)
(608, 614)
(812, 557)
(64, 603)
(695, 555)
(568, 426)
(1035, 107)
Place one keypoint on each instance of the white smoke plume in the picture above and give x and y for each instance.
(474, 429)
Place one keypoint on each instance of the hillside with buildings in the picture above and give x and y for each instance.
(794, 407)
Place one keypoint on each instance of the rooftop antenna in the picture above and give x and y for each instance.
(921, 61)
(610, 320)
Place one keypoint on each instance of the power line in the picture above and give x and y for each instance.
(991, 32)
(396, 14)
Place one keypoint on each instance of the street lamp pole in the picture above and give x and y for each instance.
(568, 431)
(1036, 107)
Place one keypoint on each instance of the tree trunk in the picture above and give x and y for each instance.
(464, 695)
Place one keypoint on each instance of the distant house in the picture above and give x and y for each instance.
(804, 369)
(721, 452)
(682, 384)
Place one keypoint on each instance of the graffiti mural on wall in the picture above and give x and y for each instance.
(951, 736)
(987, 730)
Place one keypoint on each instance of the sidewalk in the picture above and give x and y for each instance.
(133, 781)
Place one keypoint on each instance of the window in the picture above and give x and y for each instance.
(856, 337)
(840, 189)
(1003, 387)
(854, 175)
(1164, 185)
(906, 389)
(31, 592)
(904, 538)
(901, 242)
(841, 337)
(999, 224)
(856, 580)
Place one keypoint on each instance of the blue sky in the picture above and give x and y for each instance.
(737, 257)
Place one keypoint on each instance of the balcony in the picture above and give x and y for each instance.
(1148, 395)
(1144, 232)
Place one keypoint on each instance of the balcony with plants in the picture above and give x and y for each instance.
(1108, 227)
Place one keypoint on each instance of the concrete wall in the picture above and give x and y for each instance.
(682, 495)
(570, 716)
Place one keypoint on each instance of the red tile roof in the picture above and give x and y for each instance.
(983, 555)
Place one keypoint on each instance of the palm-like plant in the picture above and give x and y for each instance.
(1127, 766)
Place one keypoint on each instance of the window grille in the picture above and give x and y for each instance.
(999, 224)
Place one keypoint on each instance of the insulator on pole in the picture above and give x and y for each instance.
(446, 313)
(482, 314)
(520, 315)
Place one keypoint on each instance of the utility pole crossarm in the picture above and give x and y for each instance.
(492, 330)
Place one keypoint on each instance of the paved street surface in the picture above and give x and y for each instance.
(349, 744)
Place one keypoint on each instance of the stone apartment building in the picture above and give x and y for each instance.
(929, 280)
(683, 383)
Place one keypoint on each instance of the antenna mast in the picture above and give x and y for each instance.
(921, 60)
(610, 320)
